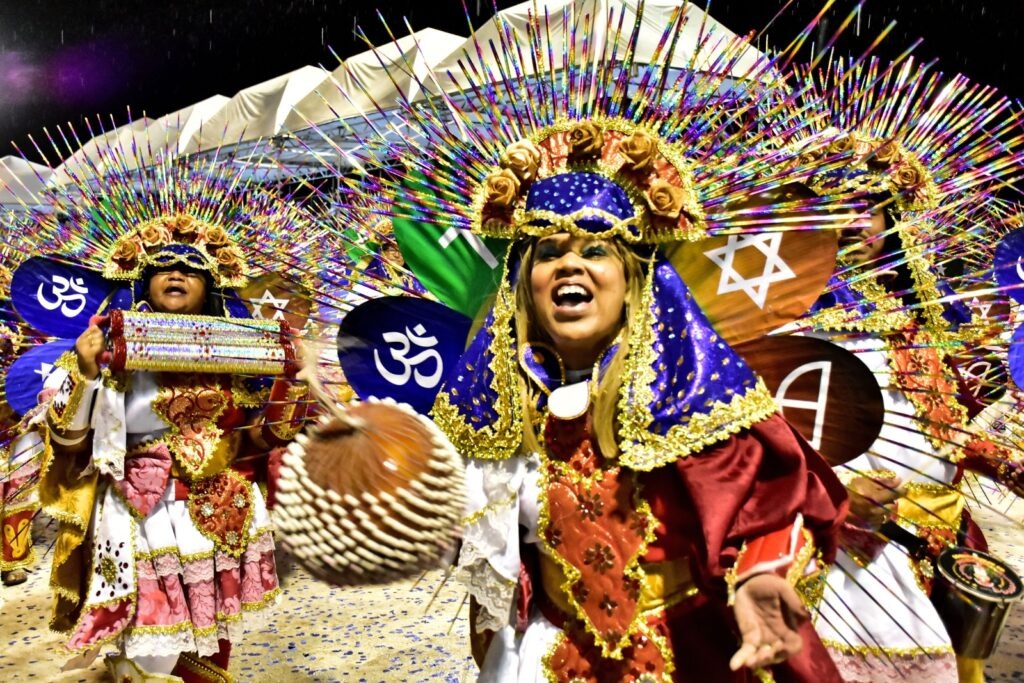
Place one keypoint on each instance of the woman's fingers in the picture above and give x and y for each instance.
(89, 345)
(759, 656)
(742, 656)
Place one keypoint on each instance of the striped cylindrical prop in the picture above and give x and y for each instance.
(163, 342)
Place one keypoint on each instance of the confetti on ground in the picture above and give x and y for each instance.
(318, 633)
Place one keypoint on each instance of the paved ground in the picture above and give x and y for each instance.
(322, 634)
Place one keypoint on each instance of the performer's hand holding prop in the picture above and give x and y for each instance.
(90, 347)
(873, 501)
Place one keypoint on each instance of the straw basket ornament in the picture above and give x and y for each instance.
(375, 493)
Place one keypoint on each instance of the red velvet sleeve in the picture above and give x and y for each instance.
(756, 483)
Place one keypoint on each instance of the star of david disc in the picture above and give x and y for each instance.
(272, 297)
(751, 283)
(824, 391)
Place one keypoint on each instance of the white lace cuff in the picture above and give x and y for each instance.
(489, 558)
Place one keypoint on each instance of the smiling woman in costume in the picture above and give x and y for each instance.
(165, 545)
(638, 510)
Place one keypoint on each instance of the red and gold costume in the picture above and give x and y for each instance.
(165, 546)
(651, 551)
(19, 499)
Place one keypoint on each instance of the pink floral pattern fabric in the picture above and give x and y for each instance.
(871, 668)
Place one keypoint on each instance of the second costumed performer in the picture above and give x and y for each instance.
(165, 546)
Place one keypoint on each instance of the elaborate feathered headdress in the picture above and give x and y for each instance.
(572, 133)
(929, 148)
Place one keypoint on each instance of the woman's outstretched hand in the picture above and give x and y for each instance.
(768, 612)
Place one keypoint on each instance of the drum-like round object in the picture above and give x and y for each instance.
(374, 494)
(973, 592)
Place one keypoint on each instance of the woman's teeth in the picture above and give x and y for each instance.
(571, 294)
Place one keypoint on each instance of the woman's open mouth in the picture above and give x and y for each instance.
(571, 297)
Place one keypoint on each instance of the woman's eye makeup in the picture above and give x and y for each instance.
(546, 251)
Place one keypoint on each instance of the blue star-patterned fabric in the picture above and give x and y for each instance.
(567, 193)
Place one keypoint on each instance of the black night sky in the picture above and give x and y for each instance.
(65, 60)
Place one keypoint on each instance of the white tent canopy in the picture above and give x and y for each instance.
(375, 79)
(139, 144)
(188, 122)
(702, 41)
(135, 145)
(21, 182)
(328, 124)
(257, 111)
(306, 121)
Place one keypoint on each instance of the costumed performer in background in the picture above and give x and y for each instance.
(19, 464)
(884, 306)
(165, 547)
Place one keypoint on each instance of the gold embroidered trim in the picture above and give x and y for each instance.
(488, 509)
(662, 643)
(23, 563)
(846, 475)
(186, 558)
(10, 509)
(797, 570)
(887, 314)
(558, 222)
(650, 451)
(928, 487)
(220, 619)
(877, 651)
(243, 397)
(730, 577)
(633, 569)
(918, 259)
(62, 417)
(502, 438)
(120, 382)
(811, 588)
(545, 661)
(286, 427)
(204, 668)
